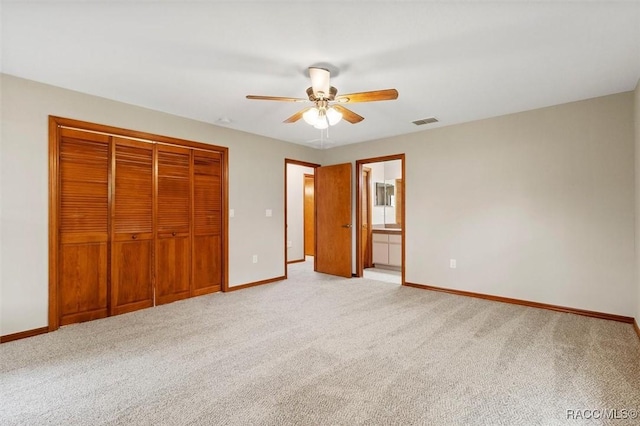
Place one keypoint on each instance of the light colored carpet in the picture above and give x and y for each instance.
(380, 274)
(318, 349)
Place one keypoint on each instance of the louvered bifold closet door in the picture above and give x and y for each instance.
(132, 226)
(173, 231)
(207, 222)
(83, 226)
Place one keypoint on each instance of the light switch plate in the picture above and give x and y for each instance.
(232, 213)
(269, 212)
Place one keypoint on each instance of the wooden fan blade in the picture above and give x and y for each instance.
(297, 116)
(348, 115)
(375, 95)
(275, 98)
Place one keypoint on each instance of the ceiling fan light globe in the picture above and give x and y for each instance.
(321, 124)
(311, 116)
(333, 116)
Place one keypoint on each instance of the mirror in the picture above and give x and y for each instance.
(384, 194)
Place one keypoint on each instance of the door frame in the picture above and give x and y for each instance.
(360, 164)
(55, 124)
(306, 176)
(288, 161)
(369, 217)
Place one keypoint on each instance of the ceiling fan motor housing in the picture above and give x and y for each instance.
(312, 97)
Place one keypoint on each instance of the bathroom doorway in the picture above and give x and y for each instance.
(380, 218)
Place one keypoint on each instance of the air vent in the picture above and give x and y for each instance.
(428, 120)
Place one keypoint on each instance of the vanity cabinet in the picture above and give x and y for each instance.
(380, 248)
(387, 248)
(395, 250)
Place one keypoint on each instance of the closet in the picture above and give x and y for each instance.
(136, 220)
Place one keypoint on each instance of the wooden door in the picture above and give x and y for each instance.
(365, 218)
(173, 230)
(309, 216)
(206, 256)
(333, 219)
(132, 226)
(83, 226)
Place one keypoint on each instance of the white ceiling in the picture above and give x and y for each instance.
(459, 61)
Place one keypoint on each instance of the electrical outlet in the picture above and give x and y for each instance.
(452, 264)
(255, 258)
(269, 212)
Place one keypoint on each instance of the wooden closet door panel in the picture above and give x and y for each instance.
(207, 223)
(174, 189)
(84, 187)
(207, 188)
(83, 226)
(207, 264)
(131, 276)
(173, 266)
(132, 247)
(173, 231)
(83, 282)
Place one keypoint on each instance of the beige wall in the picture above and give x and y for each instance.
(256, 183)
(636, 110)
(537, 205)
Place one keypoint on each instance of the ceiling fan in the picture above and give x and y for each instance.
(327, 109)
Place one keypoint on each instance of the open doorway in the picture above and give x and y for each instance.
(299, 208)
(380, 218)
(331, 222)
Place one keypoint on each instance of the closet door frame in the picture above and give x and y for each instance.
(57, 123)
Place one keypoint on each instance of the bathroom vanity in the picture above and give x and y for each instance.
(387, 247)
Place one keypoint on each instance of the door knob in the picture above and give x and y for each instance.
(348, 225)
